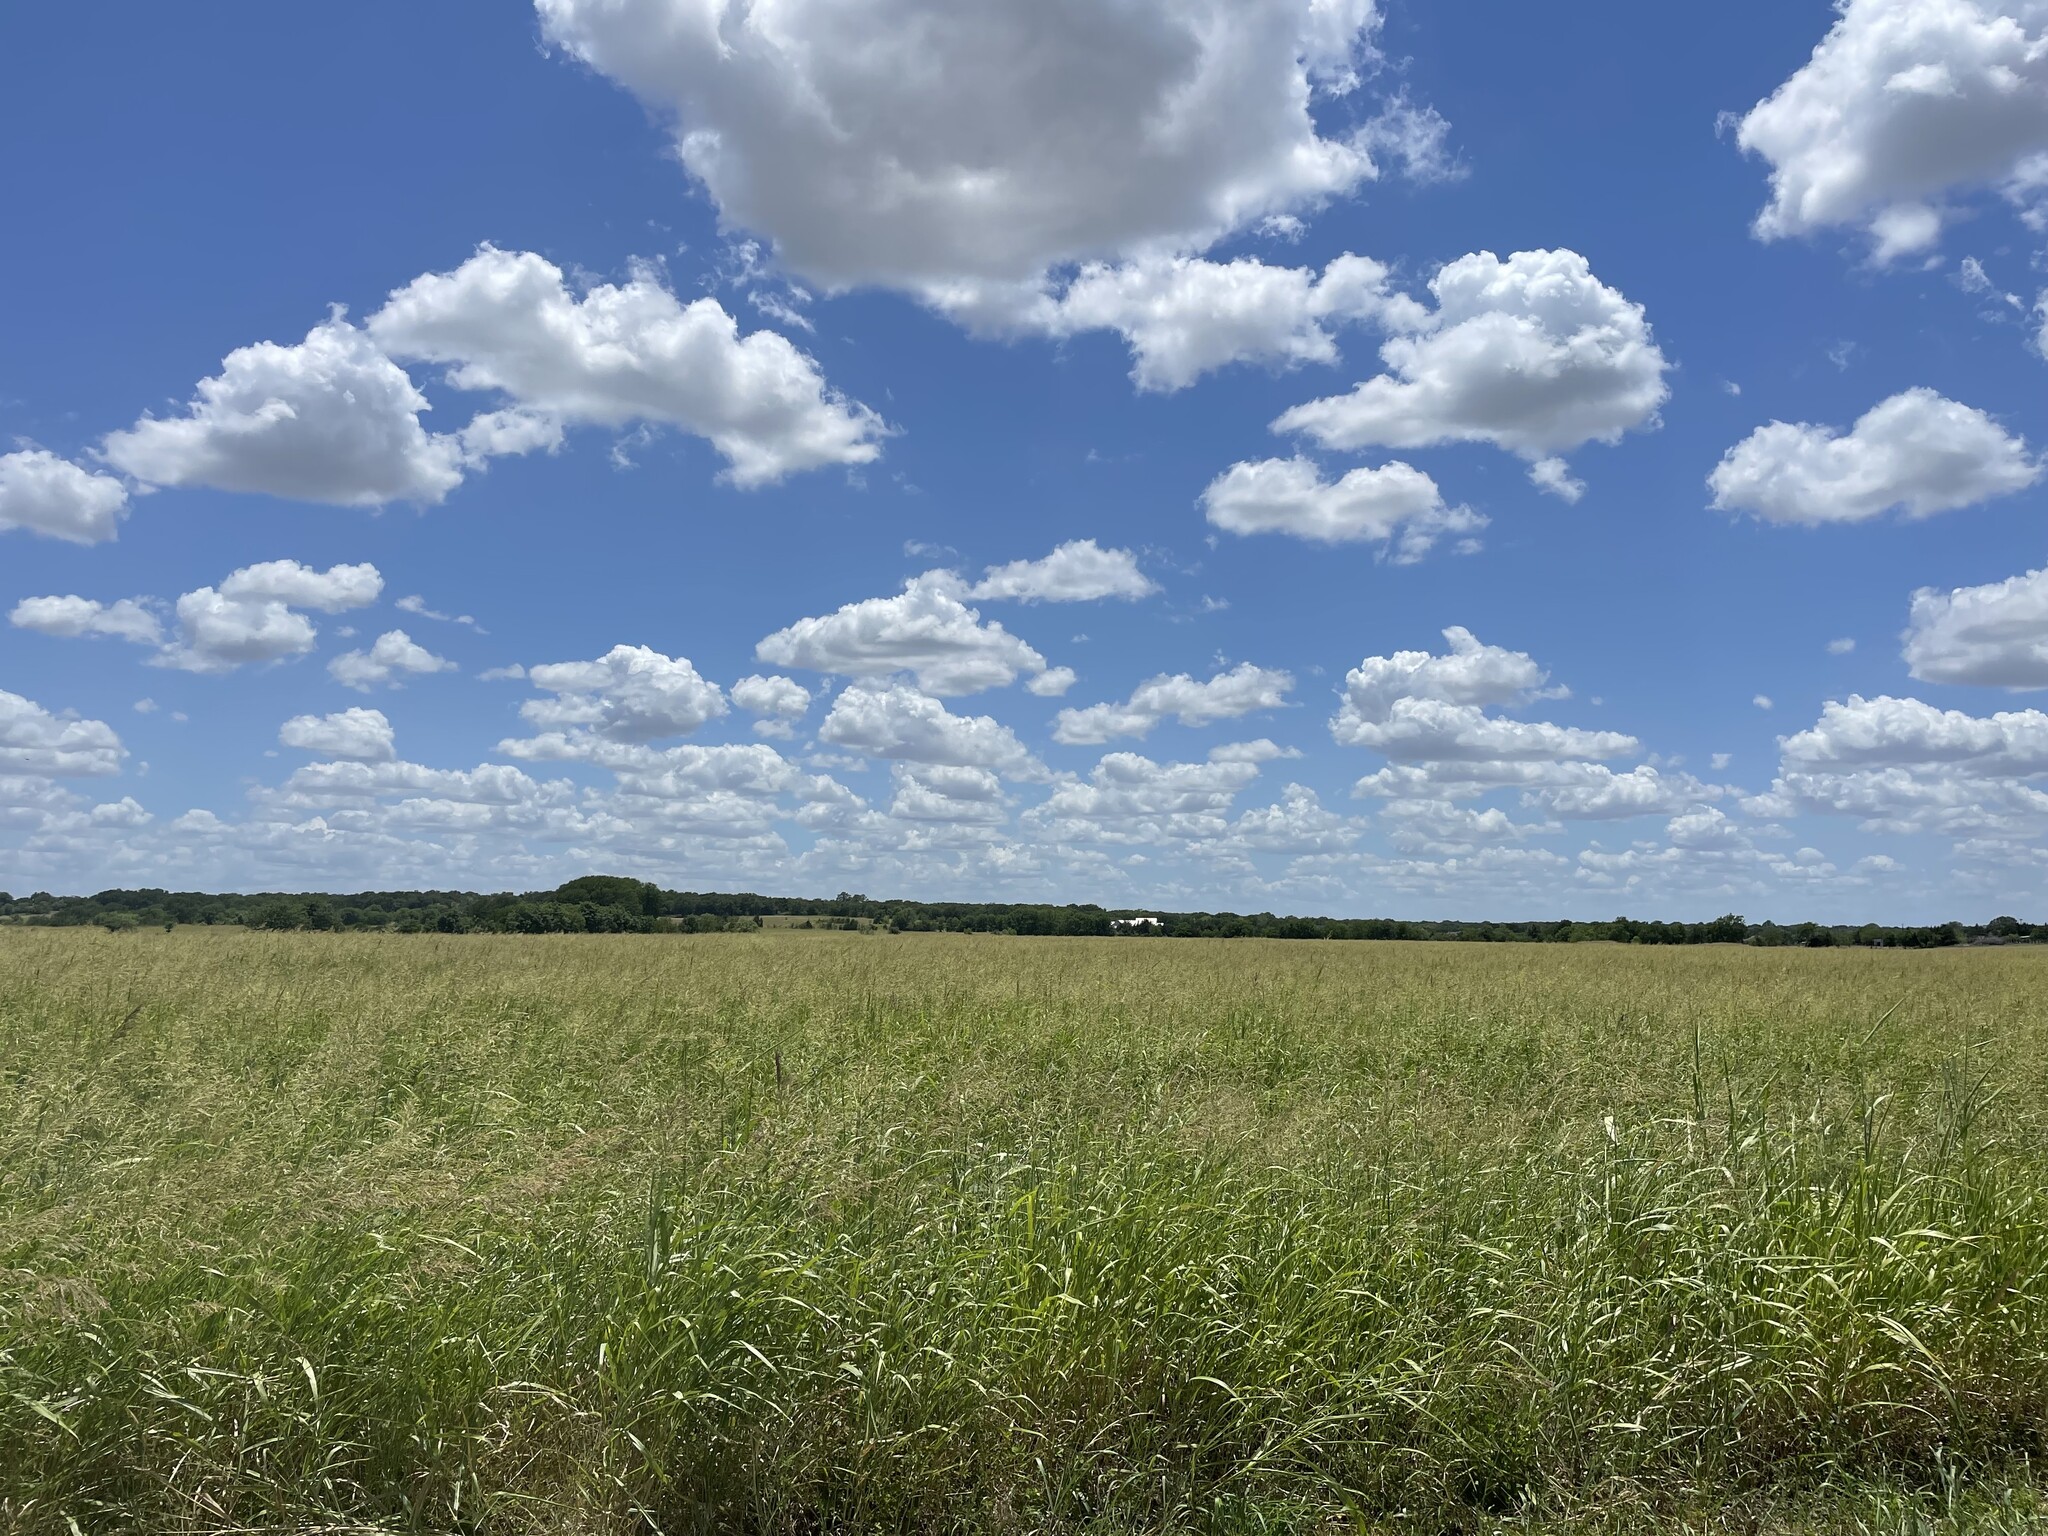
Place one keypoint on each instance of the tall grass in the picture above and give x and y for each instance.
(798, 1233)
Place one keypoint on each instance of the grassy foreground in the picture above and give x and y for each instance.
(819, 1232)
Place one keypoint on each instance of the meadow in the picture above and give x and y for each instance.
(819, 1232)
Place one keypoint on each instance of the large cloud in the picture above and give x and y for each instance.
(1916, 451)
(1995, 636)
(1226, 696)
(1132, 799)
(630, 694)
(1533, 354)
(1902, 765)
(627, 352)
(904, 725)
(1395, 506)
(1079, 571)
(1903, 102)
(1185, 316)
(253, 615)
(42, 493)
(330, 419)
(911, 142)
(392, 656)
(926, 630)
(359, 735)
(73, 617)
(39, 744)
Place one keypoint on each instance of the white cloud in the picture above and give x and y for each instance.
(72, 617)
(1184, 316)
(1902, 766)
(623, 353)
(1994, 636)
(948, 794)
(42, 493)
(1396, 506)
(360, 735)
(1903, 103)
(1846, 646)
(393, 653)
(904, 725)
(925, 630)
(905, 142)
(1763, 701)
(778, 698)
(251, 617)
(1468, 673)
(630, 694)
(1129, 798)
(1916, 451)
(1053, 683)
(331, 419)
(1533, 354)
(1079, 571)
(1263, 750)
(334, 590)
(1295, 824)
(1892, 732)
(415, 604)
(1226, 696)
(42, 745)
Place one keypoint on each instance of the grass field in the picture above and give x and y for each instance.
(817, 1232)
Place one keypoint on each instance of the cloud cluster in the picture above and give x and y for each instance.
(356, 735)
(1184, 316)
(1916, 452)
(1227, 696)
(393, 656)
(1396, 506)
(901, 724)
(36, 743)
(1903, 103)
(911, 142)
(1902, 765)
(1994, 636)
(506, 321)
(1079, 571)
(41, 493)
(927, 630)
(1533, 354)
(337, 418)
(630, 694)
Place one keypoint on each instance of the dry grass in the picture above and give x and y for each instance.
(805, 1232)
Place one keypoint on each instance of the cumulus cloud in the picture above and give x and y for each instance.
(1902, 765)
(902, 724)
(630, 694)
(1903, 103)
(623, 353)
(1079, 571)
(1185, 316)
(1916, 452)
(1994, 636)
(330, 419)
(1533, 354)
(926, 630)
(359, 735)
(779, 702)
(41, 493)
(913, 142)
(392, 656)
(1226, 696)
(1395, 506)
(71, 618)
(38, 744)
(1129, 798)
(933, 792)
(253, 616)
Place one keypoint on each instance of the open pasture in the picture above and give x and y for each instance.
(821, 1232)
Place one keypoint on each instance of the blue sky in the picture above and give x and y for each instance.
(651, 347)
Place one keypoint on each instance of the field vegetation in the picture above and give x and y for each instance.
(822, 1232)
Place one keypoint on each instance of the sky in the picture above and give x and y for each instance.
(1313, 456)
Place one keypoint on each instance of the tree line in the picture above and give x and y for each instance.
(613, 904)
